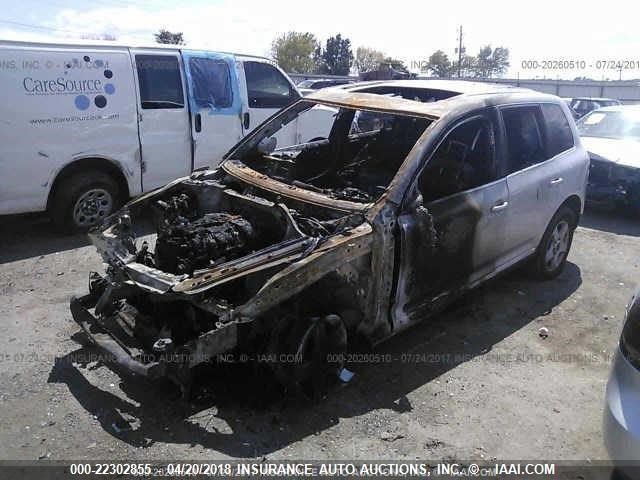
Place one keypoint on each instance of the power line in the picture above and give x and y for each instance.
(104, 3)
(75, 32)
(40, 27)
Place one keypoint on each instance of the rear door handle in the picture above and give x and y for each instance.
(198, 122)
(246, 120)
(556, 181)
(500, 206)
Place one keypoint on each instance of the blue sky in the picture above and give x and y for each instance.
(542, 30)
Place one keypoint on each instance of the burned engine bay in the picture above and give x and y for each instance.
(186, 282)
(357, 162)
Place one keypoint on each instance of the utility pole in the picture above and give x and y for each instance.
(460, 50)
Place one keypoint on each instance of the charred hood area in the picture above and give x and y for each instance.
(174, 283)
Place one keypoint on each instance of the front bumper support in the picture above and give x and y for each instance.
(113, 350)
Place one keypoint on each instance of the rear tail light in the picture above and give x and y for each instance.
(630, 338)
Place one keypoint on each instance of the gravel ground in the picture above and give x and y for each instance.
(476, 382)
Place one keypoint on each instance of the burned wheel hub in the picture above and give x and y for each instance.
(306, 353)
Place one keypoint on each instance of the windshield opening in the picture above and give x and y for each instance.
(618, 125)
(343, 153)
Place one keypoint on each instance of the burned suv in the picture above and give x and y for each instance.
(290, 253)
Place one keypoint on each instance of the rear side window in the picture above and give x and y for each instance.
(559, 135)
(160, 81)
(266, 86)
(523, 128)
(211, 81)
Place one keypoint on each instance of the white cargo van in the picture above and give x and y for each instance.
(85, 127)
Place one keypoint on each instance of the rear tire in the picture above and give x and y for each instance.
(551, 255)
(83, 200)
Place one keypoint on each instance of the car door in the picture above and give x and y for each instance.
(451, 232)
(215, 103)
(163, 117)
(533, 179)
(267, 91)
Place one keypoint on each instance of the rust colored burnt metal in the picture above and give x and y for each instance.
(239, 170)
(380, 103)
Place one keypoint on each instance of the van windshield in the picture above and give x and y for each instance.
(349, 154)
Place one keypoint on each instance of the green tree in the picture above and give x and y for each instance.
(337, 57)
(439, 64)
(367, 59)
(165, 36)
(294, 52)
(484, 62)
(469, 66)
(396, 64)
(500, 61)
(490, 62)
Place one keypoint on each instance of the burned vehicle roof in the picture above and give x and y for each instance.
(448, 96)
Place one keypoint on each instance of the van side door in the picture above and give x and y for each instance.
(163, 117)
(267, 91)
(215, 104)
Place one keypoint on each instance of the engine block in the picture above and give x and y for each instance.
(202, 243)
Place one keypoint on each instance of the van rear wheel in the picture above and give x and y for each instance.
(83, 200)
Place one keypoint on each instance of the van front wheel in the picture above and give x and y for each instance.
(84, 200)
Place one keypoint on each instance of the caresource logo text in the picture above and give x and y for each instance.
(61, 85)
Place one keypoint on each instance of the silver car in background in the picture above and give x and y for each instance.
(622, 405)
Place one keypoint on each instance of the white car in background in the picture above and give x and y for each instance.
(611, 135)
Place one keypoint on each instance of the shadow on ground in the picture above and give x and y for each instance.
(26, 236)
(614, 221)
(240, 414)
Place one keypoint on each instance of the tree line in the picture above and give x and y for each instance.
(298, 52)
(301, 52)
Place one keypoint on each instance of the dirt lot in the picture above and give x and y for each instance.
(477, 382)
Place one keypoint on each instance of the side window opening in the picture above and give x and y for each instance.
(266, 86)
(160, 82)
(464, 160)
(558, 131)
(211, 82)
(524, 137)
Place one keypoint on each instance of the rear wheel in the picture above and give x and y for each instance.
(551, 256)
(83, 200)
